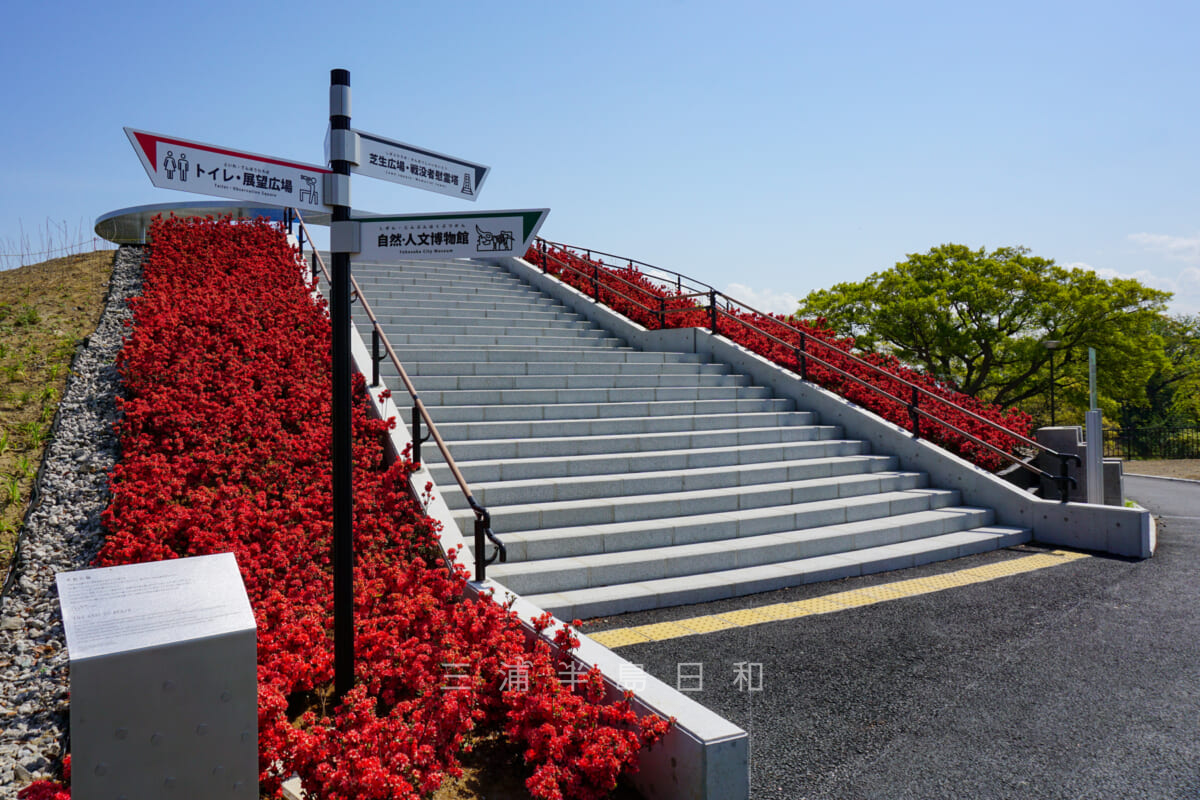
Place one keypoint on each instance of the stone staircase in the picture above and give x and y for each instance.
(622, 480)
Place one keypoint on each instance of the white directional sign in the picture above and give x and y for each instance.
(422, 169)
(484, 234)
(188, 166)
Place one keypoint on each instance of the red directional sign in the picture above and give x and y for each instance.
(174, 163)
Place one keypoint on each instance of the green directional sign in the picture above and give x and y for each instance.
(480, 234)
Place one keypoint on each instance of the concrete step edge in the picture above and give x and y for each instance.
(625, 537)
(608, 569)
(642, 595)
(731, 500)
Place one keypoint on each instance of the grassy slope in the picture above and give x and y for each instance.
(45, 310)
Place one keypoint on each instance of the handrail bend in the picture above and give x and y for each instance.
(483, 519)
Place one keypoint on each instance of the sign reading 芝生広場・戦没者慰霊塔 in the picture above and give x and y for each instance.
(389, 160)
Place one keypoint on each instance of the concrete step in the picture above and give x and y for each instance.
(522, 429)
(537, 490)
(488, 326)
(605, 569)
(433, 296)
(817, 455)
(385, 301)
(413, 284)
(592, 355)
(453, 269)
(637, 595)
(551, 543)
(556, 368)
(498, 383)
(576, 446)
(607, 410)
(605, 510)
(592, 395)
(431, 341)
(420, 315)
(436, 282)
(407, 278)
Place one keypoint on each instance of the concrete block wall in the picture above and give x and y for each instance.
(1069, 439)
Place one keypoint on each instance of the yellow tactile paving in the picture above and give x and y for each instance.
(886, 592)
(826, 604)
(618, 638)
(852, 599)
(747, 616)
(662, 630)
(706, 624)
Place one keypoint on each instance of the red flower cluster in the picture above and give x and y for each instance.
(50, 790)
(225, 447)
(630, 292)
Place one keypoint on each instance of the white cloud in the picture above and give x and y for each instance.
(1185, 285)
(769, 300)
(1177, 248)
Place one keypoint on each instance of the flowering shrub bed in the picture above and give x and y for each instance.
(642, 300)
(225, 447)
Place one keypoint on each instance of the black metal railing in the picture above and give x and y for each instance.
(1157, 443)
(379, 345)
(689, 291)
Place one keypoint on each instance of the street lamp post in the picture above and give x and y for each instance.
(1052, 345)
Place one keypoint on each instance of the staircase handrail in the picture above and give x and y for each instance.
(483, 518)
(1063, 480)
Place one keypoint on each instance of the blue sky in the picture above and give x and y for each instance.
(767, 148)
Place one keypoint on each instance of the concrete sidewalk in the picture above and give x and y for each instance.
(1078, 680)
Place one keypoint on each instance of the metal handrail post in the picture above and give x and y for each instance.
(712, 311)
(483, 534)
(416, 436)
(1064, 479)
(376, 356)
(913, 414)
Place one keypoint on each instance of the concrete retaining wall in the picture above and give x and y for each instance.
(1107, 529)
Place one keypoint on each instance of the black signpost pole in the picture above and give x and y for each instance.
(339, 312)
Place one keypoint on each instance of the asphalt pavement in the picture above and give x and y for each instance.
(1079, 680)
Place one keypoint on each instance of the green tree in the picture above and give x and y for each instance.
(1173, 391)
(981, 319)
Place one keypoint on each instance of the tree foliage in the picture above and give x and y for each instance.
(1173, 391)
(981, 319)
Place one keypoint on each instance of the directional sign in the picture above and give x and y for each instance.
(189, 166)
(484, 234)
(422, 169)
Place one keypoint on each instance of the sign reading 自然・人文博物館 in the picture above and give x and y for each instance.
(485, 234)
(189, 166)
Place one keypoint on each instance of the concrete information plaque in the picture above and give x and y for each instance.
(164, 693)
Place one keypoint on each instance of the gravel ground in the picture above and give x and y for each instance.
(1176, 468)
(62, 533)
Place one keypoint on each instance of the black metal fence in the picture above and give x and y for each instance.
(1133, 443)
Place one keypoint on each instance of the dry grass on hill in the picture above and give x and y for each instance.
(45, 310)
